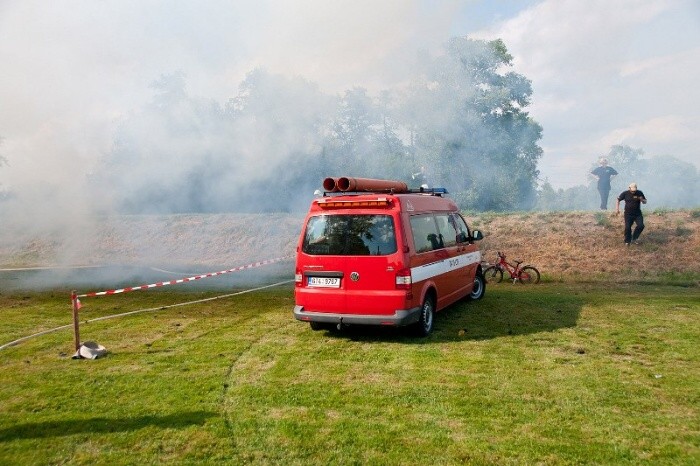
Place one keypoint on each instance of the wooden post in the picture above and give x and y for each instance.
(76, 329)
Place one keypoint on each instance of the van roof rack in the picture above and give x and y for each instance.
(348, 185)
(432, 191)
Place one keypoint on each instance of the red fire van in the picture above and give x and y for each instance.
(373, 252)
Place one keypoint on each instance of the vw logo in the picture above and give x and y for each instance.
(354, 276)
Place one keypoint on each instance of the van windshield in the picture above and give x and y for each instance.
(350, 235)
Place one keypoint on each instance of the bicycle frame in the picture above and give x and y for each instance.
(513, 270)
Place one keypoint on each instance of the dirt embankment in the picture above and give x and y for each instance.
(560, 244)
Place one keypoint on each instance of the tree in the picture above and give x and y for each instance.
(469, 126)
(280, 127)
(351, 130)
(364, 137)
(627, 161)
(167, 156)
(258, 152)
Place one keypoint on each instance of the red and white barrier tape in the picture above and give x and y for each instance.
(159, 308)
(183, 280)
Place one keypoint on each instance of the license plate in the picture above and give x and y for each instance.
(324, 282)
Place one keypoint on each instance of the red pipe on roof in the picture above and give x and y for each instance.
(370, 185)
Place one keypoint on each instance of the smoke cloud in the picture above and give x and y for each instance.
(78, 79)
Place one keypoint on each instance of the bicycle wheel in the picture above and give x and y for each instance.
(529, 274)
(493, 274)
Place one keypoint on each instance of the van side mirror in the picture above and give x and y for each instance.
(477, 235)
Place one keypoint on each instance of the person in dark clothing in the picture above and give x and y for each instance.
(633, 199)
(604, 174)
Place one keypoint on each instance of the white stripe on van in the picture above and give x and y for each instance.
(443, 266)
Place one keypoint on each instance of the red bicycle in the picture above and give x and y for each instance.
(525, 274)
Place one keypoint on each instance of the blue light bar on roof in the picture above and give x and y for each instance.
(438, 191)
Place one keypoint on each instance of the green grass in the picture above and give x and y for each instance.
(546, 374)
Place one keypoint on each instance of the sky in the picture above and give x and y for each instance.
(603, 72)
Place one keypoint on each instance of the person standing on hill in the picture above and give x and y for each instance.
(633, 198)
(604, 174)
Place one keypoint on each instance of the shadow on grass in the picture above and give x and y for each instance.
(101, 425)
(504, 311)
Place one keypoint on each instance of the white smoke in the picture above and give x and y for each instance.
(73, 71)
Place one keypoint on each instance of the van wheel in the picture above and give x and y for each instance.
(479, 287)
(425, 322)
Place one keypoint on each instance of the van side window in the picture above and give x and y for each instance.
(426, 236)
(350, 235)
(461, 226)
(447, 230)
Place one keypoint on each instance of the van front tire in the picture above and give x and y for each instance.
(424, 326)
(479, 287)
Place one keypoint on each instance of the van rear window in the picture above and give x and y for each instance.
(350, 235)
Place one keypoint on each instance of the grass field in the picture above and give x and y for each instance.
(556, 373)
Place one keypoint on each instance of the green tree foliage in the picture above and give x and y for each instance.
(351, 130)
(470, 128)
(628, 162)
(364, 138)
(278, 132)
